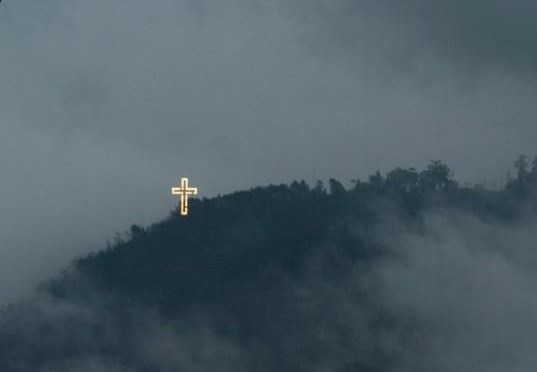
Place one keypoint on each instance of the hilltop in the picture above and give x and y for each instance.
(257, 280)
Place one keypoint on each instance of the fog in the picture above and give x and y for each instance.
(104, 105)
(455, 294)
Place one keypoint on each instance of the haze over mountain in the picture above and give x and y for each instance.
(105, 104)
(407, 271)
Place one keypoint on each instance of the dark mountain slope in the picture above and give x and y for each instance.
(262, 278)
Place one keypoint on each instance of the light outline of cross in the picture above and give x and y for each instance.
(184, 191)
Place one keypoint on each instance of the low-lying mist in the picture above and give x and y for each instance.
(449, 286)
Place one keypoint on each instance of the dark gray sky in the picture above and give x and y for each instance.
(105, 104)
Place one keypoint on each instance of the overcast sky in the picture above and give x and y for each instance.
(105, 104)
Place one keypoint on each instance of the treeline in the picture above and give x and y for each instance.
(233, 238)
(233, 260)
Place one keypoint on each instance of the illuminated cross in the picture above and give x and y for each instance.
(185, 192)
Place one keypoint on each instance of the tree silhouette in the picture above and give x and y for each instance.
(521, 165)
(436, 177)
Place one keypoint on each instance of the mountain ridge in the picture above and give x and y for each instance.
(268, 273)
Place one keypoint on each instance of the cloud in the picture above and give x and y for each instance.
(450, 293)
(455, 294)
(105, 105)
(469, 36)
(463, 293)
(105, 334)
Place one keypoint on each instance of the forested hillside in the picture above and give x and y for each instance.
(292, 278)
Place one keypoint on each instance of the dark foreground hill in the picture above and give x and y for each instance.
(396, 274)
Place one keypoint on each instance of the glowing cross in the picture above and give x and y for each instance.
(185, 192)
